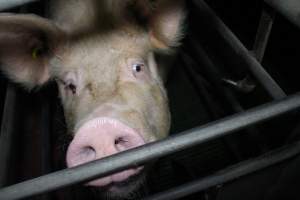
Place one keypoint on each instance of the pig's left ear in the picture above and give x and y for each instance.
(167, 24)
(26, 44)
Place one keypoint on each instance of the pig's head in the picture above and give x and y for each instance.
(108, 80)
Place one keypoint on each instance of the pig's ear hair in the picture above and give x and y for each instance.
(166, 23)
(26, 44)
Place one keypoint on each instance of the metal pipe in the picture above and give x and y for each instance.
(140, 155)
(231, 173)
(288, 8)
(45, 140)
(240, 50)
(190, 67)
(213, 72)
(7, 4)
(6, 134)
(263, 32)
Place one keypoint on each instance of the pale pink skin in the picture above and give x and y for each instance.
(92, 48)
(115, 137)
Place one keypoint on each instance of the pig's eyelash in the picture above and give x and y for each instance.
(69, 86)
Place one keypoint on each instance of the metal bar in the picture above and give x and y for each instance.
(140, 155)
(213, 72)
(45, 141)
(263, 32)
(189, 67)
(288, 8)
(7, 4)
(240, 50)
(231, 173)
(6, 137)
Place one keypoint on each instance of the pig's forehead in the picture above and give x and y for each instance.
(100, 54)
(109, 46)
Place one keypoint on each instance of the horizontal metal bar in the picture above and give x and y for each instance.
(240, 50)
(288, 8)
(231, 173)
(140, 155)
(7, 4)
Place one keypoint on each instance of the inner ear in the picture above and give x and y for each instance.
(38, 46)
(27, 42)
(163, 19)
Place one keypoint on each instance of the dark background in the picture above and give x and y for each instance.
(196, 98)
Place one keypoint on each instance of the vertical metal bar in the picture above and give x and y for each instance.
(6, 137)
(273, 89)
(263, 32)
(215, 75)
(45, 141)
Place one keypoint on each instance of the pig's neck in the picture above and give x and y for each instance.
(82, 16)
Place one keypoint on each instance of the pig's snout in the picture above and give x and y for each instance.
(99, 138)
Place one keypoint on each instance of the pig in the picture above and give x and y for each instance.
(102, 55)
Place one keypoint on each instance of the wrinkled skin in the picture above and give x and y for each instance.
(101, 54)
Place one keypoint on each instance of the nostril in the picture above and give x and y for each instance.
(86, 154)
(88, 151)
(120, 140)
(78, 155)
(121, 143)
(128, 141)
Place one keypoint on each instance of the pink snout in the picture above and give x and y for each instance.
(99, 138)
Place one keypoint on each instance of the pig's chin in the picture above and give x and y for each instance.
(119, 189)
(117, 178)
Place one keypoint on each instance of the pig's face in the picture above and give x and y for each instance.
(112, 76)
(112, 96)
(108, 81)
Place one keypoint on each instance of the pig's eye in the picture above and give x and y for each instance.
(71, 87)
(137, 68)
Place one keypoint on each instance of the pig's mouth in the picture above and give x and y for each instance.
(117, 186)
(119, 179)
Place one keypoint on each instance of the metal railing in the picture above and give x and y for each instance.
(189, 138)
(268, 83)
(231, 173)
(140, 155)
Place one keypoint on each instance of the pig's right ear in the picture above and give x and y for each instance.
(27, 42)
(166, 23)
